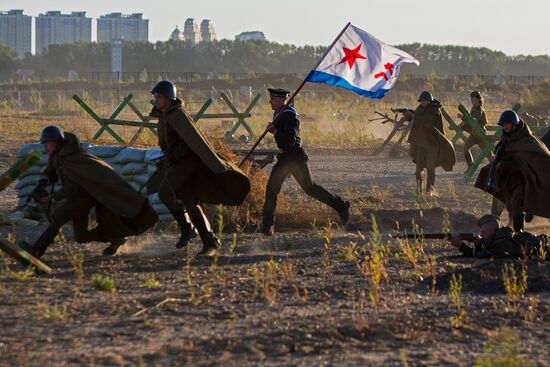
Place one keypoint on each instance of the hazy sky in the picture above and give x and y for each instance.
(515, 27)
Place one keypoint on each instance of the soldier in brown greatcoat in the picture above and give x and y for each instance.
(88, 182)
(192, 172)
(429, 148)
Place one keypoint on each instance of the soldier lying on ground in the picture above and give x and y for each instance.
(501, 242)
(88, 183)
(192, 170)
(429, 147)
(521, 178)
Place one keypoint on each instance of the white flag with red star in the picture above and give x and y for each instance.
(360, 62)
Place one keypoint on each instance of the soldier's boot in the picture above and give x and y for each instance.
(210, 243)
(529, 217)
(39, 247)
(113, 247)
(518, 223)
(469, 159)
(419, 184)
(268, 225)
(187, 230)
(430, 182)
(344, 213)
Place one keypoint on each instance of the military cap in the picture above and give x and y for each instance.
(476, 94)
(278, 92)
(487, 219)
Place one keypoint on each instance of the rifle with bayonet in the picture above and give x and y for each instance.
(440, 235)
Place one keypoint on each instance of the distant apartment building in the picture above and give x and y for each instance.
(191, 31)
(54, 28)
(16, 31)
(208, 33)
(131, 27)
(250, 36)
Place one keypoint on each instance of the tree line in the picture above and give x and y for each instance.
(254, 57)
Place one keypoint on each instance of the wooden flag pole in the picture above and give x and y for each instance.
(293, 95)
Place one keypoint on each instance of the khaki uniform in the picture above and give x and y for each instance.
(88, 182)
(478, 113)
(506, 244)
(429, 148)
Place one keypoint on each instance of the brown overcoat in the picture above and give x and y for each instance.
(77, 168)
(532, 158)
(427, 134)
(218, 181)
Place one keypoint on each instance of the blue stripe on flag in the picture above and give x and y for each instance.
(321, 77)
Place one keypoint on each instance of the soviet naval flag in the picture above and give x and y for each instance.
(359, 62)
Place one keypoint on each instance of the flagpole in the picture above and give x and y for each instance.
(294, 94)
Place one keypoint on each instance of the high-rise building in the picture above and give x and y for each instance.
(208, 34)
(15, 31)
(191, 31)
(54, 28)
(131, 27)
(251, 36)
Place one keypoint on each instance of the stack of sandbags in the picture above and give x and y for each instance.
(29, 179)
(106, 153)
(134, 165)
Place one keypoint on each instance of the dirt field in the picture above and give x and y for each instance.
(307, 296)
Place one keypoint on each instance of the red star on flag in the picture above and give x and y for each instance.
(352, 55)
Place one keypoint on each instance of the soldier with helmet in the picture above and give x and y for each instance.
(292, 160)
(521, 178)
(478, 113)
(88, 182)
(429, 148)
(192, 172)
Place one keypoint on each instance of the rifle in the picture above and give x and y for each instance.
(499, 151)
(40, 192)
(441, 235)
(402, 110)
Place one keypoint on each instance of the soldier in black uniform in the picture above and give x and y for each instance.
(292, 160)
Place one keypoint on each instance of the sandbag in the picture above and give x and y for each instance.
(130, 155)
(166, 218)
(26, 191)
(27, 180)
(152, 168)
(35, 169)
(44, 160)
(106, 151)
(28, 147)
(161, 209)
(141, 179)
(132, 169)
(152, 154)
(154, 198)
